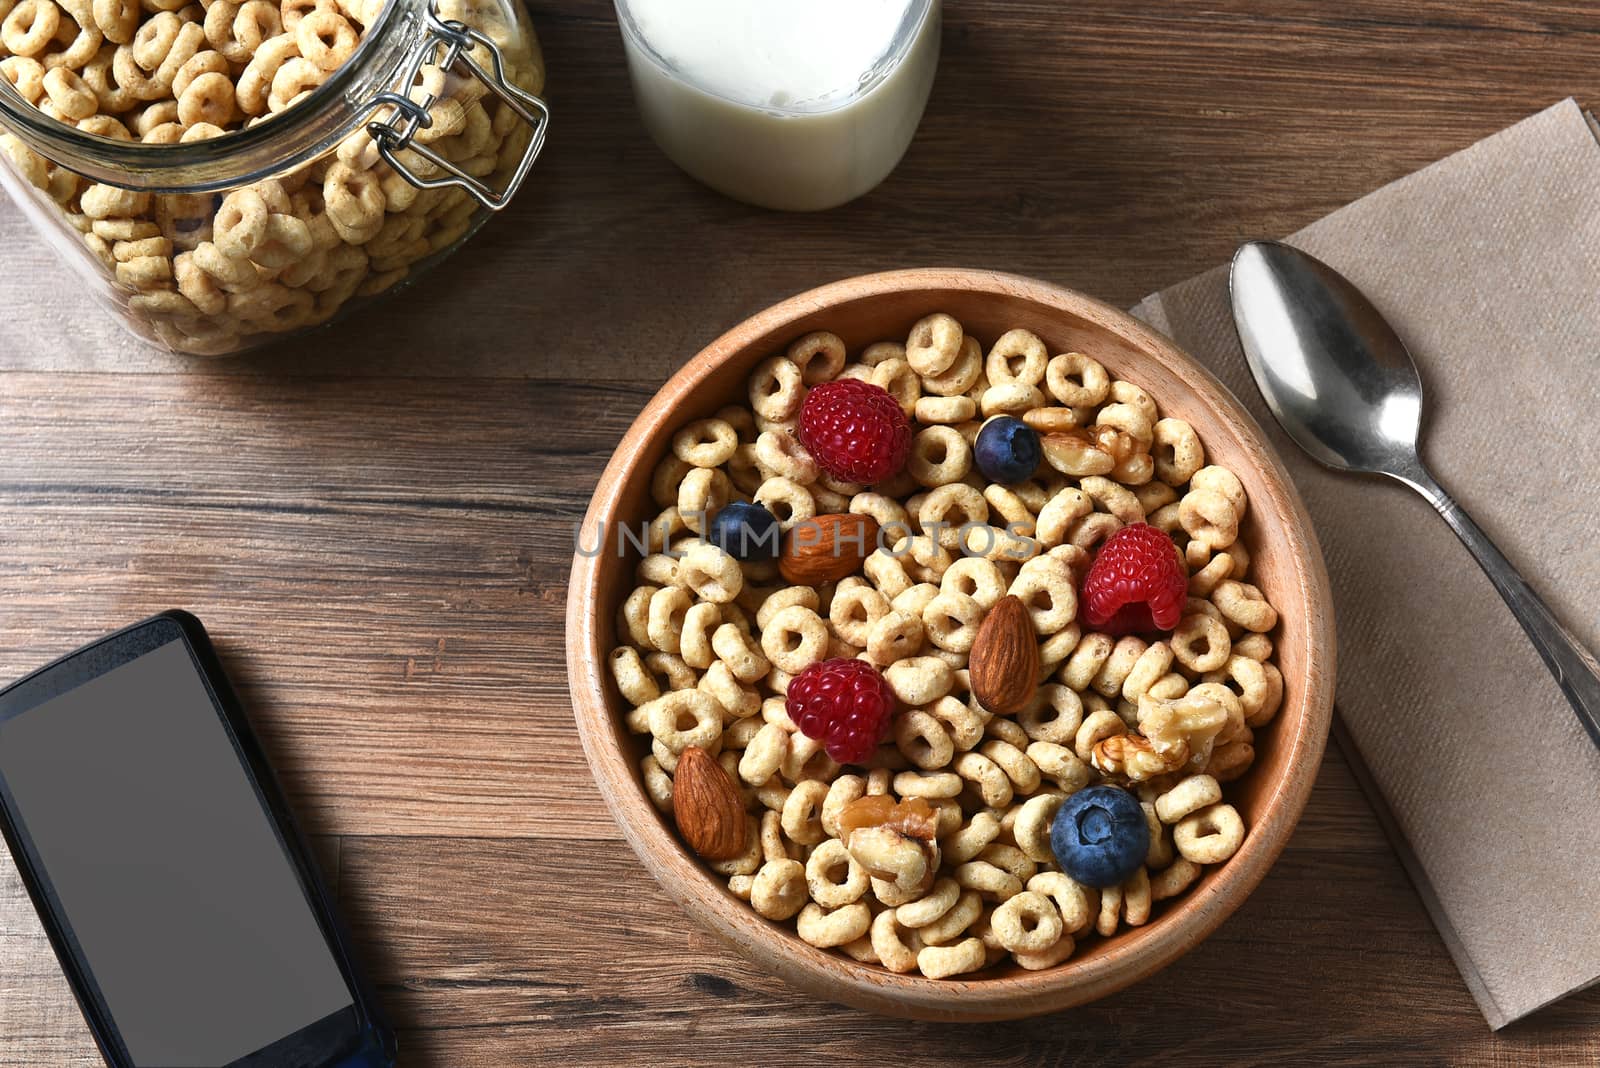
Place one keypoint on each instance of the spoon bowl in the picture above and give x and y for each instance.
(1332, 370)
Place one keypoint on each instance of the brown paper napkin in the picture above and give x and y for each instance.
(1488, 264)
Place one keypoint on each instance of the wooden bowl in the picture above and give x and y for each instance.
(1286, 563)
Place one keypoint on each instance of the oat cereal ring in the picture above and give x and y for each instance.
(1174, 879)
(1131, 900)
(779, 453)
(1008, 505)
(1177, 451)
(634, 682)
(325, 38)
(919, 680)
(117, 20)
(1023, 773)
(1151, 666)
(945, 410)
(966, 843)
(1054, 716)
(1201, 643)
(1230, 761)
(922, 739)
(1007, 731)
(1244, 604)
(954, 921)
(914, 599)
(1096, 728)
(1087, 659)
(780, 599)
(763, 754)
(928, 785)
(1114, 498)
(951, 621)
(788, 501)
(1009, 398)
(795, 639)
(694, 644)
(893, 951)
(939, 456)
(1060, 513)
(1209, 518)
(948, 508)
(738, 650)
(1018, 356)
(1027, 922)
(1209, 836)
(26, 76)
(737, 702)
(69, 94)
(1223, 481)
(934, 343)
(855, 610)
(353, 199)
(1254, 646)
(833, 876)
(942, 962)
(1256, 697)
(776, 389)
(1076, 380)
(779, 890)
(30, 27)
(819, 355)
(1092, 529)
(1031, 828)
(1118, 666)
(901, 383)
(1212, 572)
(933, 905)
(711, 573)
(987, 879)
(683, 718)
(842, 791)
(962, 375)
(657, 784)
(802, 810)
(701, 494)
(895, 637)
(993, 784)
(975, 578)
(1187, 797)
(889, 513)
(1045, 588)
(668, 610)
(1048, 958)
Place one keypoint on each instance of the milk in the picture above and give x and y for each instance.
(792, 104)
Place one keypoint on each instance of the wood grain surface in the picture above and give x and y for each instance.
(376, 524)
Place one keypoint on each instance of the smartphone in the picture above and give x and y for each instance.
(176, 890)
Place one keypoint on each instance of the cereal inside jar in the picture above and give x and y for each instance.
(944, 652)
(231, 171)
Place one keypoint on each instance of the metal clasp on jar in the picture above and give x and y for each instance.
(447, 45)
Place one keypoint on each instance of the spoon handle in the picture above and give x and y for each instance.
(1574, 667)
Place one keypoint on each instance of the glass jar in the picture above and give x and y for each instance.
(332, 194)
(793, 106)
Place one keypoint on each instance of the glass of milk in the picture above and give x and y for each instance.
(798, 105)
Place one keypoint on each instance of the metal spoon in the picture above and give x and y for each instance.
(1341, 382)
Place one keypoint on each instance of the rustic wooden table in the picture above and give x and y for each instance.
(376, 525)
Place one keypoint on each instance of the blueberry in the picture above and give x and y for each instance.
(1007, 450)
(1100, 836)
(745, 531)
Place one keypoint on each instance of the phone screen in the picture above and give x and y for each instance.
(175, 887)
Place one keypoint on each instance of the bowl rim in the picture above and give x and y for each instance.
(1142, 951)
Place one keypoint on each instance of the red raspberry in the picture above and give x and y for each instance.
(843, 703)
(1136, 583)
(855, 430)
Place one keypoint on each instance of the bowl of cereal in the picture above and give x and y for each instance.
(951, 644)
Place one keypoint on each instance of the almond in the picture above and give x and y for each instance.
(1004, 663)
(708, 807)
(826, 548)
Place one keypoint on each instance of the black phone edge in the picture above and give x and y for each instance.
(376, 1035)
